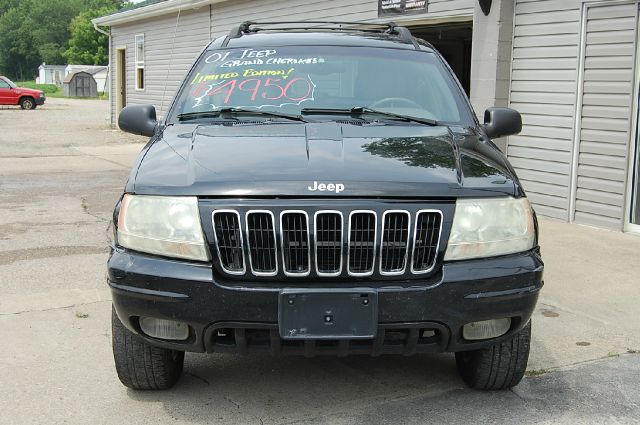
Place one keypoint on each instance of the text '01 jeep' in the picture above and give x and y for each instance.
(325, 192)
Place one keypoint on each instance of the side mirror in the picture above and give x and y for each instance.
(138, 119)
(500, 122)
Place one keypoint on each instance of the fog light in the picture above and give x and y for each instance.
(164, 329)
(486, 329)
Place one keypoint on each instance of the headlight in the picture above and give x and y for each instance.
(162, 225)
(490, 227)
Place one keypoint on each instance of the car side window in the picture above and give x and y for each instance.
(4, 85)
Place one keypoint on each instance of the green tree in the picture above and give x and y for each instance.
(17, 58)
(86, 45)
(5, 5)
(33, 31)
(50, 26)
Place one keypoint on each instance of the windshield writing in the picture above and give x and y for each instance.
(289, 79)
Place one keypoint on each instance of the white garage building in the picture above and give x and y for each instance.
(569, 67)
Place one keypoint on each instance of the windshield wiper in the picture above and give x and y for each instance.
(219, 113)
(362, 110)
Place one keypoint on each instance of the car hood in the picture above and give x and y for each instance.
(291, 159)
(32, 92)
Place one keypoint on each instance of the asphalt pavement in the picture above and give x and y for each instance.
(61, 171)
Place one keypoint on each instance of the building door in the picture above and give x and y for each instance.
(606, 118)
(82, 86)
(634, 213)
(121, 79)
(453, 41)
(633, 224)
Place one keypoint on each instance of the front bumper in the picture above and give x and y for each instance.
(40, 101)
(243, 318)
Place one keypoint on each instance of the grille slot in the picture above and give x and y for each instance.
(328, 232)
(426, 240)
(294, 232)
(226, 226)
(362, 242)
(395, 242)
(261, 238)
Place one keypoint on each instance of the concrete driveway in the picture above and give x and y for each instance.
(61, 171)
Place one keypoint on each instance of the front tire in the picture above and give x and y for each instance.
(498, 367)
(142, 366)
(27, 103)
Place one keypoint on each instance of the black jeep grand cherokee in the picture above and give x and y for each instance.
(324, 191)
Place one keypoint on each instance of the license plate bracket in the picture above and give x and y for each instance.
(327, 313)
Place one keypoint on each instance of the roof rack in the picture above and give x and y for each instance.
(391, 28)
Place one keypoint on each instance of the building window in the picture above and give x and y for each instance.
(140, 62)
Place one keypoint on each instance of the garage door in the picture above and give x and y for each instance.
(605, 121)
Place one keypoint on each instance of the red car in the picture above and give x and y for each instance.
(10, 94)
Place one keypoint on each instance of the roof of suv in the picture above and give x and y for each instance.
(381, 36)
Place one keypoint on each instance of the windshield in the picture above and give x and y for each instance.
(8, 81)
(302, 78)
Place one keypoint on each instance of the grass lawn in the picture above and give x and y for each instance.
(51, 90)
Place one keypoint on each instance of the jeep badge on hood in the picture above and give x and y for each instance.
(331, 187)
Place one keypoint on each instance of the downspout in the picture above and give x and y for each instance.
(108, 34)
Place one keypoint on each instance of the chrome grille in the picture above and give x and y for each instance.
(426, 240)
(226, 227)
(294, 232)
(325, 243)
(362, 242)
(328, 231)
(261, 235)
(395, 242)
